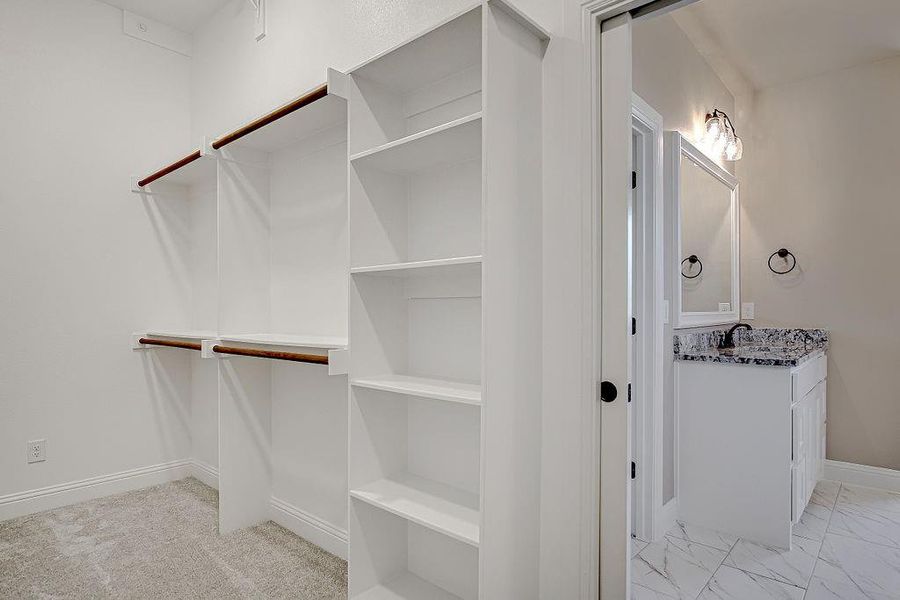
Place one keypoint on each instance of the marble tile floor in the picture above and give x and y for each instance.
(846, 547)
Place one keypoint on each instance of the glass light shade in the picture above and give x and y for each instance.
(734, 149)
(714, 129)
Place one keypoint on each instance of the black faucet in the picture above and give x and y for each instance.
(728, 340)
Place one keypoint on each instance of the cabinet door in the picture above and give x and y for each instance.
(798, 489)
(822, 421)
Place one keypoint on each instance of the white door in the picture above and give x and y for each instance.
(614, 335)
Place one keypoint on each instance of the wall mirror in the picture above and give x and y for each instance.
(707, 236)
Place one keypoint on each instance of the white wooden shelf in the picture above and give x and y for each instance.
(181, 334)
(446, 144)
(287, 341)
(434, 505)
(406, 587)
(436, 389)
(419, 267)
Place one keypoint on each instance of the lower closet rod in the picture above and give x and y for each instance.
(292, 356)
(170, 344)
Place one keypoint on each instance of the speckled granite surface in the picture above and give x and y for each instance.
(763, 347)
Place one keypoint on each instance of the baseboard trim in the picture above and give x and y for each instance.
(873, 477)
(54, 496)
(206, 473)
(309, 527)
(667, 517)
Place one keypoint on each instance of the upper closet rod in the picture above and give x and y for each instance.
(317, 94)
(169, 343)
(273, 354)
(173, 167)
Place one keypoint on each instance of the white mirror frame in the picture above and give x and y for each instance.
(676, 147)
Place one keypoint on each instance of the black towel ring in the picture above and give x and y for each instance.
(694, 261)
(783, 253)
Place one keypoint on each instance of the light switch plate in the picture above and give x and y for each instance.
(748, 311)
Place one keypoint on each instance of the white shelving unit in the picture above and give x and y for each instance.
(282, 279)
(259, 221)
(428, 479)
(445, 205)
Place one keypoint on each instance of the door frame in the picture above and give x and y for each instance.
(649, 302)
(603, 109)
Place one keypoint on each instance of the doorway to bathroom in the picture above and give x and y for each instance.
(647, 308)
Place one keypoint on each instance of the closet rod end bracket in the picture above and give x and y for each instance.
(339, 361)
(206, 350)
(135, 188)
(136, 341)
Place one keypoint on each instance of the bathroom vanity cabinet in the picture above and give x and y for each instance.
(751, 438)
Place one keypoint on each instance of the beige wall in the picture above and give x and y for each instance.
(671, 76)
(820, 176)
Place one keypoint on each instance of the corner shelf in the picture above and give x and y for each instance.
(433, 505)
(405, 587)
(421, 387)
(447, 144)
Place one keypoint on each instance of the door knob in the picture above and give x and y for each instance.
(608, 391)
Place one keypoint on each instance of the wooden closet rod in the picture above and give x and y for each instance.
(173, 167)
(317, 94)
(273, 354)
(170, 343)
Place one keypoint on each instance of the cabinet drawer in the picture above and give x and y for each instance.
(805, 378)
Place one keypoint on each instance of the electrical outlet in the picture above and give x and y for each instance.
(724, 306)
(748, 311)
(36, 451)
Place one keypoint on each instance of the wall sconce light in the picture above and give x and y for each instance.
(720, 138)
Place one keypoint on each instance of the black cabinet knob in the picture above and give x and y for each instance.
(608, 391)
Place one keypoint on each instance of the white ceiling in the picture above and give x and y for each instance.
(185, 15)
(777, 41)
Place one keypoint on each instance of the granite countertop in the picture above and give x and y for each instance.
(761, 347)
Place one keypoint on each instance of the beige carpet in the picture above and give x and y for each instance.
(160, 542)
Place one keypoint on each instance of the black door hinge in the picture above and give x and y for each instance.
(633, 325)
(633, 470)
(629, 392)
(634, 180)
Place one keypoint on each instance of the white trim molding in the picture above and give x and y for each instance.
(205, 472)
(873, 477)
(668, 517)
(309, 527)
(649, 273)
(54, 496)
